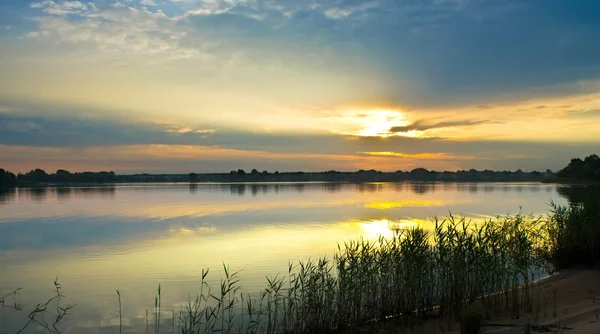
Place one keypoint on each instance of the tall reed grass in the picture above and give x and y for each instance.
(574, 231)
(413, 274)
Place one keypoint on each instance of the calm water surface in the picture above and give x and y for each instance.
(133, 237)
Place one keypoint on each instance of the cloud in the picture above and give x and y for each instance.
(347, 9)
(61, 7)
(199, 158)
(422, 125)
(60, 131)
(585, 114)
(127, 145)
(218, 68)
(176, 129)
(424, 156)
(15, 125)
(474, 51)
(183, 158)
(148, 3)
(116, 29)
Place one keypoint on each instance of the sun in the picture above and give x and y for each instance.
(378, 123)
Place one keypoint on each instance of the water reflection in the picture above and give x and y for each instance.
(94, 192)
(488, 189)
(577, 193)
(7, 195)
(386, 228)
(405, 203)
(135, 236)
(35, 194)
(422, 188)
(255, 189)
(63, 194)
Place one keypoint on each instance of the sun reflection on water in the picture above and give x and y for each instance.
(386, 228)
(399, 204)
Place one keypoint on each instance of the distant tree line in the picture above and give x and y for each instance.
(419, 174)
(587, 169)
(40, 177)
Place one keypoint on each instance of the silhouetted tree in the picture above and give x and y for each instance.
(7, 179)
(422, 174)
(37, 175)
(582, 170)
(63, 176)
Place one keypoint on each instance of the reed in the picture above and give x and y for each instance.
(120, 312)
(574, 232)
(411, 275)
(37, 316)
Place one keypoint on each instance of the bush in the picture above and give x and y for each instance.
(472, 319)
(575, 232)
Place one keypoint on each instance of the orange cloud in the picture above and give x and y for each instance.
(424, 156)
(142, 158)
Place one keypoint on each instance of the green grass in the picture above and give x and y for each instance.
(411, 276)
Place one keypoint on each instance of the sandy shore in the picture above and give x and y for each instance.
(568, 302)
(576, 310)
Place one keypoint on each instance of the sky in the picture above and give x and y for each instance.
(178, 86)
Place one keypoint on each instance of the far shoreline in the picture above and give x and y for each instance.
(577, 173)
(91, 184)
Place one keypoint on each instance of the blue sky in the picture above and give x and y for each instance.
(214, 85)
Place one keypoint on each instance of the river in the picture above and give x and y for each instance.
(133, 237)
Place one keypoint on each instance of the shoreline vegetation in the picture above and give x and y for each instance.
(40, 177)
(460, 274)
(585, 171)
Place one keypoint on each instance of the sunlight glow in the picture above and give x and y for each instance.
(378, 123)
(424, 156)
(376, 228)
(404, 155)
(385, 228)
(399, 204)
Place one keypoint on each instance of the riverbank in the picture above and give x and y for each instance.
(568, 301)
